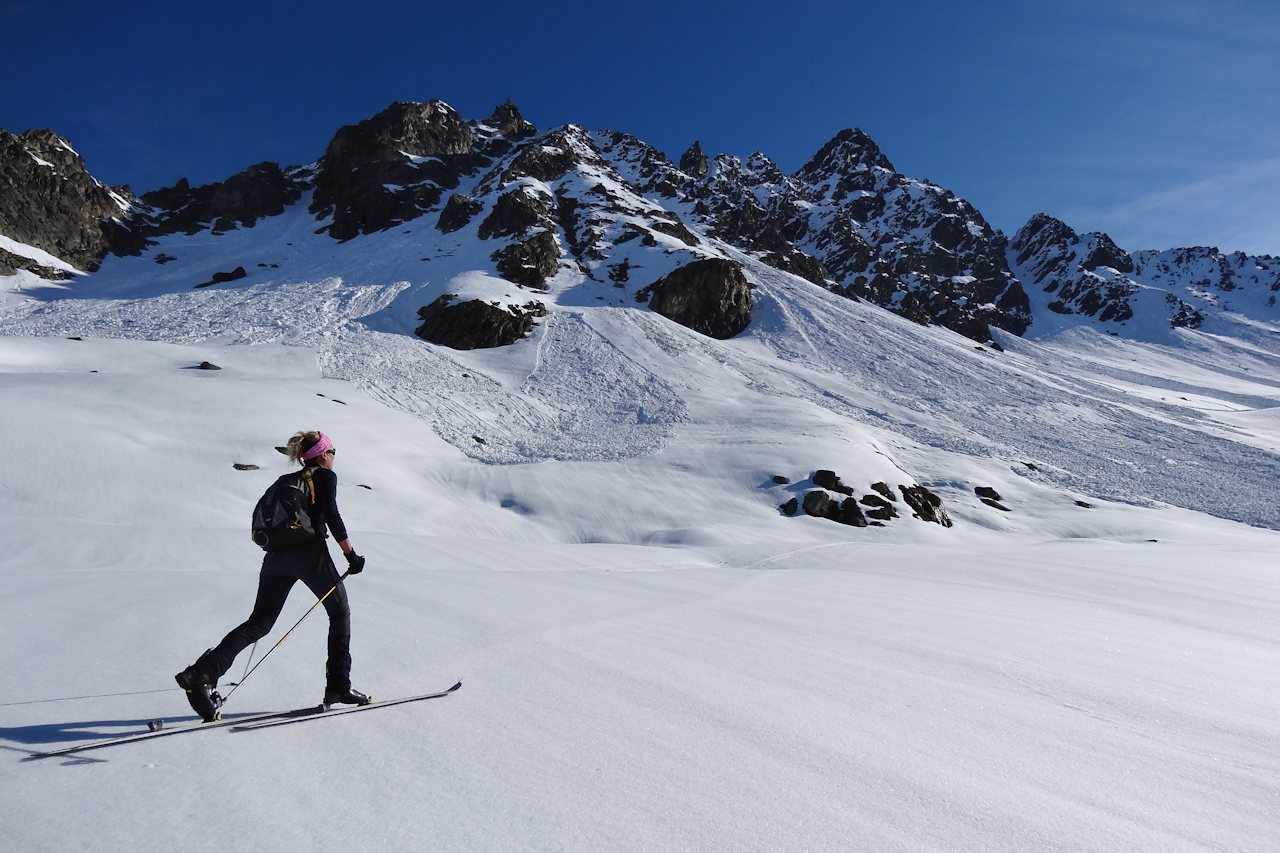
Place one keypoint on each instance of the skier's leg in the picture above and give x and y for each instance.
(272, 592)
(338, 667)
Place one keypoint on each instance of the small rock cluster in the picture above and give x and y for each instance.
(873, 509)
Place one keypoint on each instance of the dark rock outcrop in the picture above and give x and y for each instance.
(879, 508)
(509, 123)
(241, 200)
(474, 324)
(693, 162)
(223, 277)
(513, 214)
(11, 263)
(457, 213)
(48, 200)
(530, 262)
(990, 497)
(850, 513)
(1103, 252)
(393, 167)
(710, 296)
(925, 504)
(816, 503)
(827, 479)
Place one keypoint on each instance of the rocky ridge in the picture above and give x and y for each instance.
(1088, 275)
(608, 215)
(48, 200)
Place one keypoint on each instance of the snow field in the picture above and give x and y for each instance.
(652, 656)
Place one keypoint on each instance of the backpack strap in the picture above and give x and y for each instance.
(311, 486)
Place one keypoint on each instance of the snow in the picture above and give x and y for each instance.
(653, 657)
(38, 255)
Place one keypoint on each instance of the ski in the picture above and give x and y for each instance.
(320, 711)
(163, 732)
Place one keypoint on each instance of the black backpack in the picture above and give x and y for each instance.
(282, 517)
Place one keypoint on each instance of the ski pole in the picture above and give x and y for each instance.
(319, 601)
(248, 663)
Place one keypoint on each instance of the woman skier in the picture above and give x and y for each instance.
(308, 562)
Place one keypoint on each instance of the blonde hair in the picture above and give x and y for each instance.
(300, 443)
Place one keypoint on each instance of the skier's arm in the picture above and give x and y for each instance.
(327, 498)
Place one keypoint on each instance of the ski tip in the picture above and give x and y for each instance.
(455, 687)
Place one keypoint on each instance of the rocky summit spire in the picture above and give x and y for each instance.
(387, 169)
(850, 150)
(508, 121)
(693, 162)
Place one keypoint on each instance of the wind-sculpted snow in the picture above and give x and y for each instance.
(1031, 404)
(583, 399)
(1137, 423)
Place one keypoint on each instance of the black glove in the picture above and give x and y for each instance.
(356, 563)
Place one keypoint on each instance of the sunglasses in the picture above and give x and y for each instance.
(332, 451)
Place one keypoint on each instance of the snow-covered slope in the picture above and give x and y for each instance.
(653, 657)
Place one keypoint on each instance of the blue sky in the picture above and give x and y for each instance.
(1156, 122)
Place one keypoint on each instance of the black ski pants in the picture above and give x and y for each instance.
(320, 575)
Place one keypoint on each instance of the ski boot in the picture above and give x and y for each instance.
(204, 700)
(344, 696)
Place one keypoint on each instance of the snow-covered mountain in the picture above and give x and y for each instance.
(726, 559)
(1143, 294)
(612, 209)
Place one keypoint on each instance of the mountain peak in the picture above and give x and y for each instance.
(428, 129)
(509, 122)
(850, 150)
(49, 201)
(694, 162)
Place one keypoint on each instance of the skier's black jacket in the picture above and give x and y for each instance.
(304, 559)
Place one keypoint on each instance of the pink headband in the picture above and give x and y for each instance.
(317, 449)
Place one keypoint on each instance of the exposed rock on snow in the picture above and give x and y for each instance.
(515, 213)
(474, 324)
(879, 508)
(529, 262)
(223, 277)
(241, 200)
(926, 505)
(990, 497)
(457, 213)
(509, 123)
(827, 479)
(710, 296)
(817, 503)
